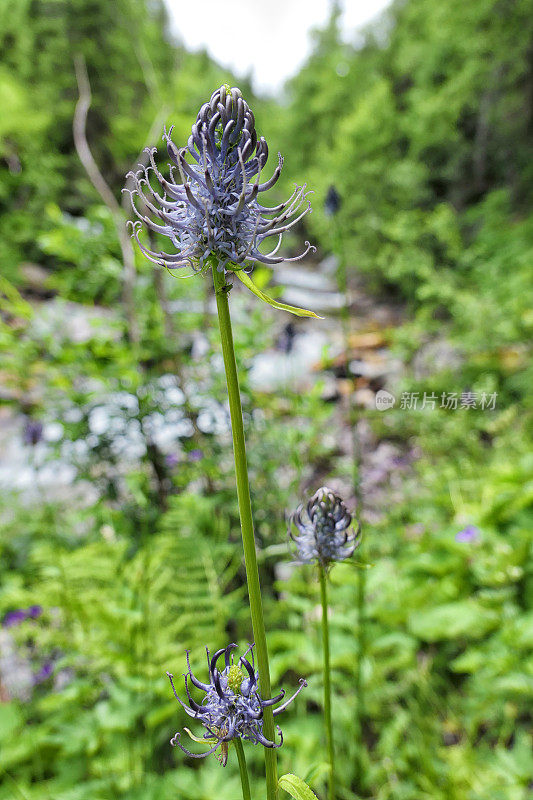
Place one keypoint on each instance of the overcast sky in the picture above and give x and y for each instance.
(268, 37)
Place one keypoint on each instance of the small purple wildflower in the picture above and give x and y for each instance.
(468, 534)
(14, 618)
(196, 455)
(171, 460)
(210, 207)
(33, 432)
(232, 707)
(44, 673)
(324, 529)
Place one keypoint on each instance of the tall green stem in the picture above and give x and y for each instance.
(247, 529)
(242, 769)
(359, 692)
(342, 284)
(327, 683)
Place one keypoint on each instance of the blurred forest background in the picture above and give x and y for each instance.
(119, 543)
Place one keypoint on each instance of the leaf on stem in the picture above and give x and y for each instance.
(247, 281)
(201, 739)
(296, 787)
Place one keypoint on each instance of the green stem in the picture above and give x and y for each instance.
(247, 529)
(342, 283)
(359, 692)
(242, 769)
(327, 684)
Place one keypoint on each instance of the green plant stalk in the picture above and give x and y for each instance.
(247, 529)
(342, 285)
(327, 682)
(242, 769)
(361, 647)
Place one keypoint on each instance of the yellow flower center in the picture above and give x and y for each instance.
(235, 678)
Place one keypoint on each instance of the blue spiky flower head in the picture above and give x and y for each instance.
(209, 208)
(232, 706)
(324, 530)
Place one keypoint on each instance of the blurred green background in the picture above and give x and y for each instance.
(120, 543)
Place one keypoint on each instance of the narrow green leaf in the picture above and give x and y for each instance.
(15, 302)
(200, 739)
(296, 787)
(300, 312)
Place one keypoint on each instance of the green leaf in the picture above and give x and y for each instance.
(299, 312)
(200, 739)
(296, 787)
(448, 621)
(514, 683)
(12, 301)
(10, 721)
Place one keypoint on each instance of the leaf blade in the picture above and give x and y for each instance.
(247, 281)
(296, 787)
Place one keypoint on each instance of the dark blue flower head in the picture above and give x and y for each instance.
(324, 529)
(209, 206)
(232, 707)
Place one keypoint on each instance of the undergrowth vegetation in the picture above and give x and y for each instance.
(425, 130)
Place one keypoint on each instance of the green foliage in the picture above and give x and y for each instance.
(424, 128)
(89, 269)
(135, 72)
(296, 787)
(114, 622)
(413, 128)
